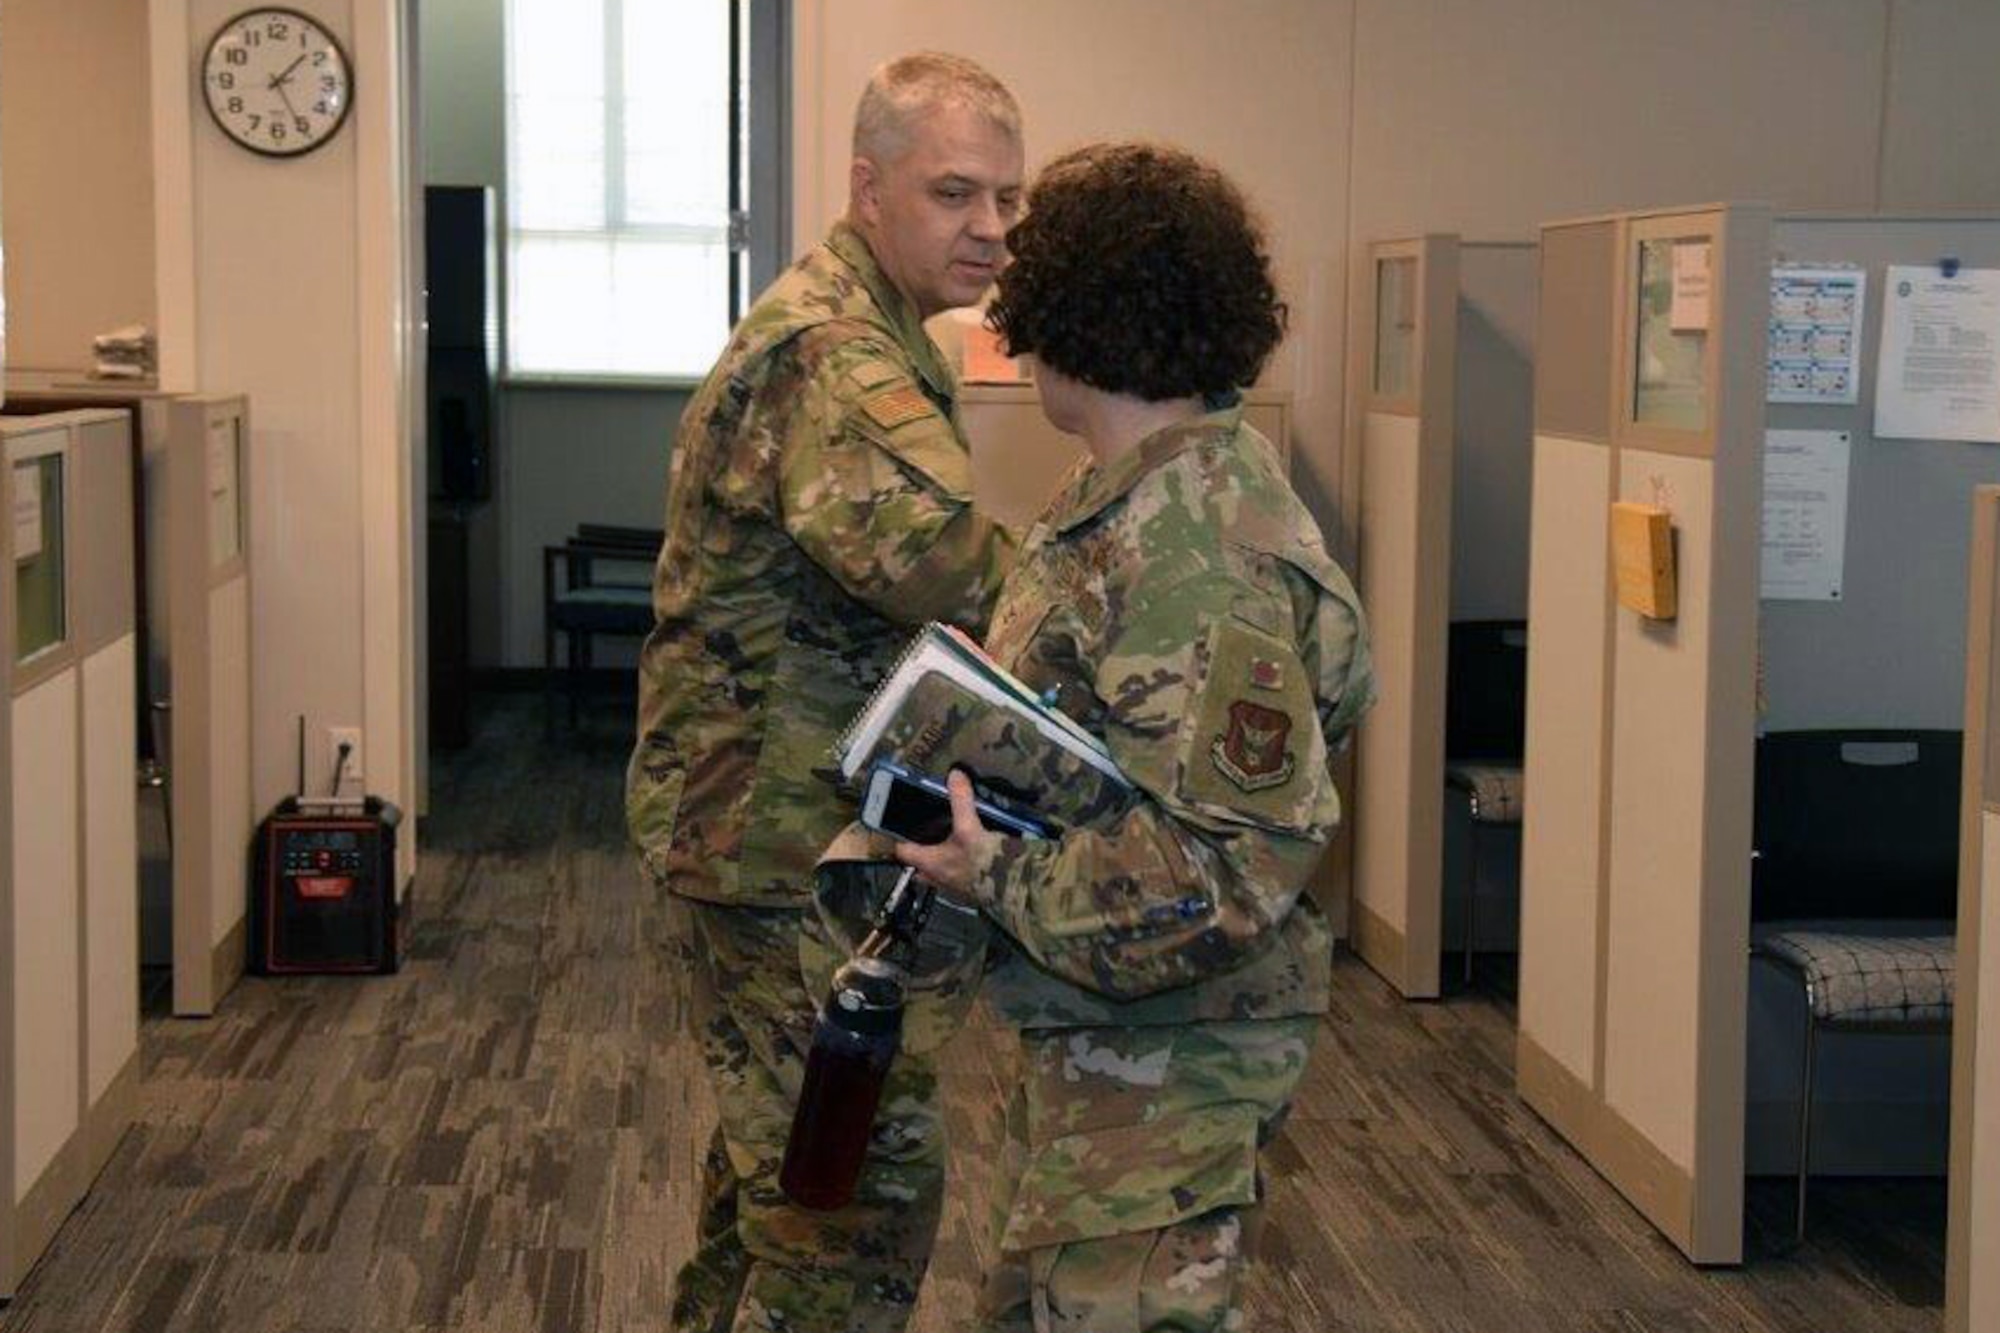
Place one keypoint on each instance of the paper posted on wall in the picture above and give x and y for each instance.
(1817, 314)
(1805, 514)
(1939, 373)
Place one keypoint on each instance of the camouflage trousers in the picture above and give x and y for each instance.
(760, 1262)
(1129, 1188)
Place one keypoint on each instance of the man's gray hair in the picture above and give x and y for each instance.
(905, 90)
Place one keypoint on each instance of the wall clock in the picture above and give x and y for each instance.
(277, 82)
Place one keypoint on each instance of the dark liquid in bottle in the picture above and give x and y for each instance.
(843, 1085)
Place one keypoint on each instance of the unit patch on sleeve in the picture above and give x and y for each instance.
(1252, 742)
(1252, 753)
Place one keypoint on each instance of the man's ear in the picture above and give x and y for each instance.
(864, 180)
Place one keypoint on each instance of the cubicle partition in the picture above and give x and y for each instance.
(1972, 1291)
(1405, 379)
(1019, 459)
(69, 1003)
(1635, 874)
(208, 632)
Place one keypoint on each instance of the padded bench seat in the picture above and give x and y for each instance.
(1871, 978)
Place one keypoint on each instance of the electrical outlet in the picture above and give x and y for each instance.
(351, 771)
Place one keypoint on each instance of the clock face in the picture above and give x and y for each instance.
(276, 82)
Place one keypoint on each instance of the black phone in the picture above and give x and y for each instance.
(905, 803)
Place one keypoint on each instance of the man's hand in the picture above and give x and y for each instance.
(949, 864)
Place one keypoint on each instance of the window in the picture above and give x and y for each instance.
(622, 180)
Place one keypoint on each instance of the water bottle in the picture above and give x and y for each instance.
(859, 1029)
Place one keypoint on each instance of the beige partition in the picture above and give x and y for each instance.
(1633, 970)
(71, 999)
(208, 613)
(1018, 458)
(1972, 1290)
(11, 1242)
(1407, 347)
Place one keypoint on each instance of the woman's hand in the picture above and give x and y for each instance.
(949, 864)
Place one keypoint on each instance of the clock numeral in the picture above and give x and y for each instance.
(304, 125)
(319, 57)
(321, 108)
(277, 131)
(235, 106)
(236, 55)
(255, 121)
(328, 83)
(251, 37)
(278, 29)
(225, 80)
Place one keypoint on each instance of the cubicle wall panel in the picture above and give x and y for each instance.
(1904, 565)
(1562, 843)
(1575, 319)
(230, 816)
(1384, 868)
(1657, 782)
(106, 594)
(1978, 1177)
(1492, 458)
(9, 991)
(110, 824)
(46, 943)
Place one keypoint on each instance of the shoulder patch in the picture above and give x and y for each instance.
(892, 407)
(1255, 753)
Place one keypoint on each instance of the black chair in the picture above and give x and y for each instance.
(1861, 825)
(605, 587)
(1485, 725)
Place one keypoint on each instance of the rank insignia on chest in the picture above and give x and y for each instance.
(1266, 674)
(893, 407)
(1252, 753)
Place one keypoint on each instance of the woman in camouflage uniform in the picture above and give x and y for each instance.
(1165, 967)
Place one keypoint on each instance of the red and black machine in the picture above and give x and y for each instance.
(325, 893)
(323, 890)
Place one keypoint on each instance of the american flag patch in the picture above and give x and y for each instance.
(896, 406)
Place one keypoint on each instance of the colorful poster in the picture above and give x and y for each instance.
(1816, 320)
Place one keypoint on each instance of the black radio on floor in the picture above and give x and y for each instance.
(324, 895)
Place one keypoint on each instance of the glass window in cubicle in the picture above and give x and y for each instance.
(1396, 327)
(1670, 359)
(225, 490)
(39, 609)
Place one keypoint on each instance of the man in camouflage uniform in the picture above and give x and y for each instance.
(819, 506)
(1166, 968)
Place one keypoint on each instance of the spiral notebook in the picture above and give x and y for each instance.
(947, 704)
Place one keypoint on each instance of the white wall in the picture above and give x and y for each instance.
(1261, 86)
(78, 216)
(1357, 120)
(292, 285)
(577, 456)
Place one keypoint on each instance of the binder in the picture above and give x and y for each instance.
(946, 704)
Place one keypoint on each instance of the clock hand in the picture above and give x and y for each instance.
(285, 76)
(278, 87)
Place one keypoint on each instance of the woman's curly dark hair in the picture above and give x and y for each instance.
(1140, 270)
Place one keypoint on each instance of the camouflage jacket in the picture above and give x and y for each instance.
(1182, 606)
(819, 503)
